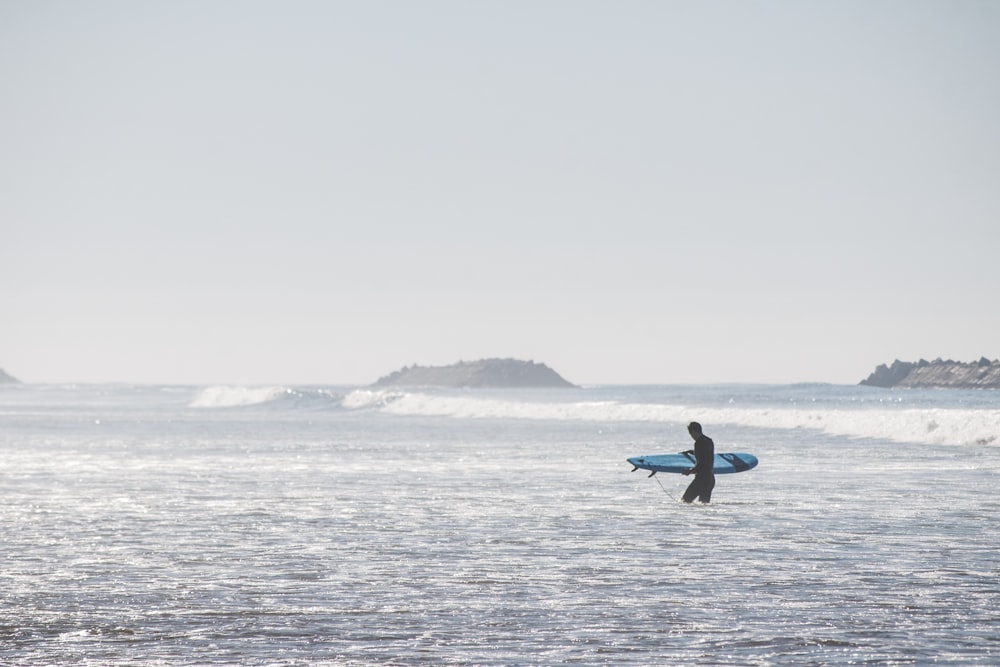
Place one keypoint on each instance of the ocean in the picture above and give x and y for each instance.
(170, 525)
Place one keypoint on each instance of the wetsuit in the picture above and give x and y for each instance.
(704, 477)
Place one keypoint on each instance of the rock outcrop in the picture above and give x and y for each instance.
(9, 379)
(982, 374)
(484, 373)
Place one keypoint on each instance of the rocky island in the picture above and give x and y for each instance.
(982, 374)
(9, 379)
(500, 373)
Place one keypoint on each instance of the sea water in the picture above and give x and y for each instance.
(352, 526)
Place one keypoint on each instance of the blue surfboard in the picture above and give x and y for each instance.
(724, 464)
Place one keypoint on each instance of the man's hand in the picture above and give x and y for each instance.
(688, 471)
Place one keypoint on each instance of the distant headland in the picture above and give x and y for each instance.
(9, 379)
(982, 374)
(485, 373)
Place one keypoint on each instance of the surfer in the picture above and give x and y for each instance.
(704, 476)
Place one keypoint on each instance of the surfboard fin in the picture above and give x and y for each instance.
(650, 474)
(634, 468)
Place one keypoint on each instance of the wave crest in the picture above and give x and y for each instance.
(233, 397)
(360, 399)
(937, 426)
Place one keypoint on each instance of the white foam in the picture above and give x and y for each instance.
(931, 426)
(230, 397)
(367, 398)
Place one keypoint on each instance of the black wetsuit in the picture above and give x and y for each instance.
(704, 477)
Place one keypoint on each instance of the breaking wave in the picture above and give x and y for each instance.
(919, 425)
(235, 397)
(365, 398)
(893, 422)
(231, 397)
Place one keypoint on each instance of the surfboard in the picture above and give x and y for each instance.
(724, 464)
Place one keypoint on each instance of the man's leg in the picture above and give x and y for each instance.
(692, 491)
(706, 490)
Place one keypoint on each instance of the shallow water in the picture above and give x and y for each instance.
(319, 526)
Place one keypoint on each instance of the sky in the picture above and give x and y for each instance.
(632, 192)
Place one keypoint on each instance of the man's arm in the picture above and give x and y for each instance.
(690, 452)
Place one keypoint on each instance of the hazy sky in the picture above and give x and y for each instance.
(629, 191)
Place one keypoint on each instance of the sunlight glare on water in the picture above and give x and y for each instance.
(141, 526)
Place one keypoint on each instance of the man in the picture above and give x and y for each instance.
(704, 476)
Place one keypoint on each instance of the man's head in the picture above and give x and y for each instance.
(694, 428)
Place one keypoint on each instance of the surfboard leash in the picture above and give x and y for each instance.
(657, 478)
